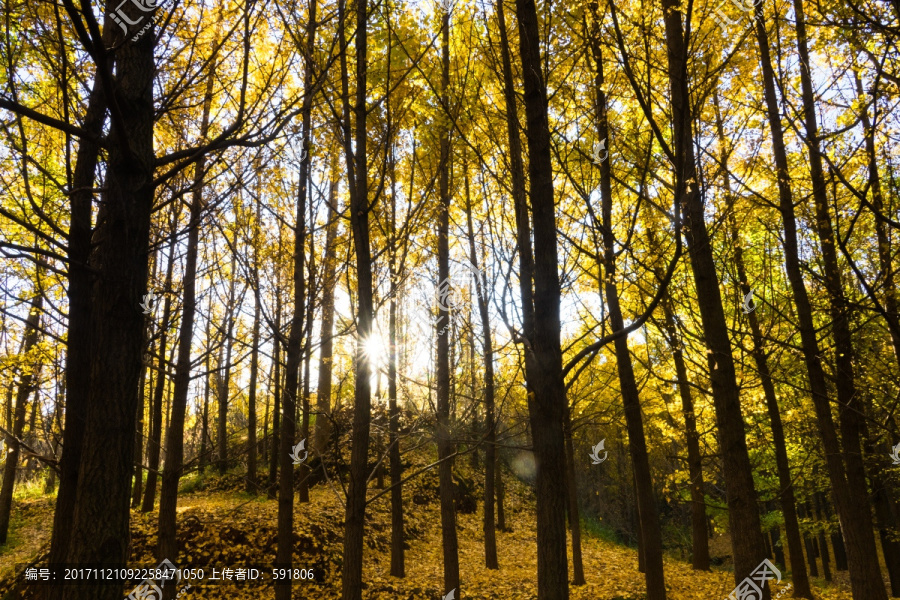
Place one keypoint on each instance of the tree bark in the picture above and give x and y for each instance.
(276, 409)
(156, 424)
(490, 438)
(799, 575)
(168, 500)
(851, 494)
(223, 380)
(648, 514)
(547, 406)
(354, 521)
(699, 534)
(743, 514)
(449, 541)
(101, 517)
(78, 348)
(322, 431)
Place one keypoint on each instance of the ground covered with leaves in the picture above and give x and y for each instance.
(219, 526)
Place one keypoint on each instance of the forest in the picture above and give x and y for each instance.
(449, 299)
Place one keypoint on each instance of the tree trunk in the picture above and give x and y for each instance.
(204, 429)
(156, 425)
(490, 438)
(329, 267)
(743, 514)
(651, 533)
(27, 373)
(354, 521)
(572, 492)
(699, 534)
(168, 500)
(101, 517)
(851, 494)
(808, 542)
(398, 555)
(78, 348)
(137, 490)
(547, 406)
(449, 541)
(276, 409)
(223, 379)
(788, 507)
(823, 545)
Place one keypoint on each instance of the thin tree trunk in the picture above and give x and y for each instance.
(823, 545)
(322, 431)
(808, 543)
(743, 513)
(168, 501)
(224, 379)
(27, 376)
(648, 513)
(398, 555)
(276, 409)
(204, 429)
(158, 392)
(354, 521)
(449, 541)
(252, 444)
(490, 438)
(699, 534)
(137, 491)
(572, 492)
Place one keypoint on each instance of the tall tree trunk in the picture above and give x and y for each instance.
(101, 517)
(156, 425)
(788, 506)
(699, 537)
(851, 494)
(572, 509)
(891, 305)
(78, 344)
(251, 486)
(743, 514)
(322, 431)
(651, 533)
(27, 375)
(809, 544)
(490, 438)
(449, 540)
(204, 428)
(223, 373)
(547, 406)
(398, 556)
(354, 520)
(284, 553)
(823, 545)
(168, 500)
(276, 409)
(138, 489)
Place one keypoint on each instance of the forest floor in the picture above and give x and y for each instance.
(229, 528)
